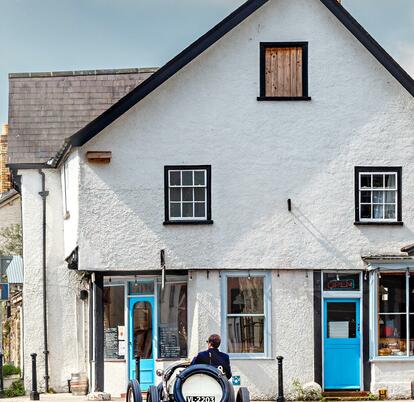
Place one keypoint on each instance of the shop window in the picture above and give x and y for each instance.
(341, 282)
(187, 194)
(172, 319)
(395, 337)
(114, 324)
(246, 314)
(377, 195)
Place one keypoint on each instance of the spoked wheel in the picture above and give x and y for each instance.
(133, 392)
(152, 394)
(243, 395)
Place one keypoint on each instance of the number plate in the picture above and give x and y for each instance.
(201, 399)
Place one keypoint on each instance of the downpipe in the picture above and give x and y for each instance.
(44, 195)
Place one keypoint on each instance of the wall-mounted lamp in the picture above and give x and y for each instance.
(289, 202)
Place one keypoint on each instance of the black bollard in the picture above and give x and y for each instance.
(280, 397)
(1, 375)
(34, 395)
(138, 367)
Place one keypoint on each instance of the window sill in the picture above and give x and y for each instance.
(392, 359)
(284, 98)
(399, 223)
(204, 222)
(172, 359)
(114, 361)
(238, 357)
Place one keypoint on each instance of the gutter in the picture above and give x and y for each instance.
(44, 194)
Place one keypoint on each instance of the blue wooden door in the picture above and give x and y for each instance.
(141, 336)
(342, 344)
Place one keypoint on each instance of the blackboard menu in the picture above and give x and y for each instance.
(169, 343)
(111, 343)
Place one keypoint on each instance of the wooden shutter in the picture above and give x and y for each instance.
(283, 71)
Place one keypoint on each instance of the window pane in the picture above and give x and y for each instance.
(341, 318)
(245, 334)
(411, 335)
(365, 211)
(175, 210)
(200, 194)
(378, 180)
(175, 194)
(187, 194)
(389, 196)
(392, 335)
(340, 282)
(378, 197)
(244, 295)
(141, 288)
(412, 298)
(113, 321)
(199, 178)
(175, 178)
(391, 293)
(172, 313)
(389, 212)
(200, 210)
(187, 177)
(187, 210)
(142, 329)
(366, 196)
(390, 181)
(378, 212)
(365, 181)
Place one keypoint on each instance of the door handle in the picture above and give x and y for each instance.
(358, 328)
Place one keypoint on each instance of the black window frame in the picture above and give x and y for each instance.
(195, 221)
(305, 81)
(379, 169)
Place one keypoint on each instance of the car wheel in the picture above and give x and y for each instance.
(152, 394)
(243, 395)
(133, 392)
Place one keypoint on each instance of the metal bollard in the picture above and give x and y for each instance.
(138, 367)
(280, 397)
(34, 395)
(1, 374)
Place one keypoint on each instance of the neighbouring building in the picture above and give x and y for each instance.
(258, 186)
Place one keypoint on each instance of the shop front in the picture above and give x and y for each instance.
(141, 317)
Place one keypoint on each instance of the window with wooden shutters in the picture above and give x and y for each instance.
(283, 71)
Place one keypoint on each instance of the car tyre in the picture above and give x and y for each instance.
(152, 394)
(243, 395)
(133, 392)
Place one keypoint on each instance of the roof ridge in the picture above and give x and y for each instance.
(74, 73)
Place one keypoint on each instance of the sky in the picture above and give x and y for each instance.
(55, 35)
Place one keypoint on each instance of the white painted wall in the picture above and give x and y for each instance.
(10, 214)
(261, 153)
(63, 314)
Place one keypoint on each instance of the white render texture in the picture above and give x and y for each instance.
(65, 315)
(261, 153)
(10, 214)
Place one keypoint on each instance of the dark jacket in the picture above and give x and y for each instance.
(214, 357)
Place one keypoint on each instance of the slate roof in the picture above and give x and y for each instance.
(46, 108)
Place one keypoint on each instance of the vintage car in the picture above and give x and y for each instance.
(182, 382)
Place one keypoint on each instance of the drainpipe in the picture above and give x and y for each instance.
(44, 194)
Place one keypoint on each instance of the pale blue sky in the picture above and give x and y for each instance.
(52, 35)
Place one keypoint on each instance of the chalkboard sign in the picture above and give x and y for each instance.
(111, 343)
(169, 343)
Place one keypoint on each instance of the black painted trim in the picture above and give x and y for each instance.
(19, 166)
(99, 333)
(317, 326)
(154, 272)
(365, 335)
(378, 223)
(369, 169)
(91, 335)
(263, 47)
(370, 44)
(195, 221)
(207, 40)
(284, 98)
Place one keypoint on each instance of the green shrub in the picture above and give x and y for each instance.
(9, 369)
(16, 389)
